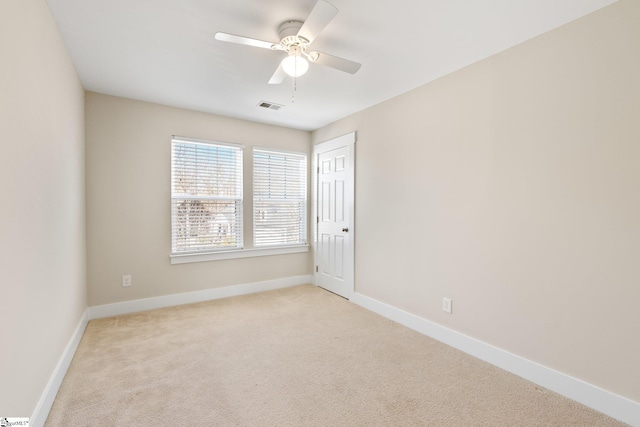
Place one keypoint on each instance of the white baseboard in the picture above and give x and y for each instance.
(45, 403)
(126, 307)
(589, 395)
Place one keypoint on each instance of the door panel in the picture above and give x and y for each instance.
(338, 251)
(325, 202)
(340, 202)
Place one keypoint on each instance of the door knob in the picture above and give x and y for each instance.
(345, 230)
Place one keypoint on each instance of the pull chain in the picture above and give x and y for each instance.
(293, 94)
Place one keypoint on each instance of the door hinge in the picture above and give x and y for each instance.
(316, 268)
(317, 220)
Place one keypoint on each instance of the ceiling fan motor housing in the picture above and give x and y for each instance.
(288, 32)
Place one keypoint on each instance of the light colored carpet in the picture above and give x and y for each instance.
(299, 356)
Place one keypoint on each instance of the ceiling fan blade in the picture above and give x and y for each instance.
(323, 12)
(244, 40)
(336, 62)
(278, 76)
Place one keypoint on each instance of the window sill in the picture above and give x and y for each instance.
(241, 253)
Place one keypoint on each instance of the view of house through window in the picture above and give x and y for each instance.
(279, 198)
(206, 196)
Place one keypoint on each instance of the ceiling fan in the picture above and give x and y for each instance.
(295, 40)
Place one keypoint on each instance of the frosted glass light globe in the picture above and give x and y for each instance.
(295, 65)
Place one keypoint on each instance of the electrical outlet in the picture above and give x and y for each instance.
(446, 305)
(126, 281)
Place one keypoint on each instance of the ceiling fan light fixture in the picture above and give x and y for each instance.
(295, 65)
(295, 40)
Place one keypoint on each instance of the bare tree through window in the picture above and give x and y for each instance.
(206, 196)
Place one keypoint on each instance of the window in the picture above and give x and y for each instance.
(279, 198)
(206, 196)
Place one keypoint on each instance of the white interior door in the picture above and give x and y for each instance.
(334, 215)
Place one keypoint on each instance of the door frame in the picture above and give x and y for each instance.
(348, 141)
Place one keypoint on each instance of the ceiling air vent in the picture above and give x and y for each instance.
(270, 105)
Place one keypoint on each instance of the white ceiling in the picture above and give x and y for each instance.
(164, 51)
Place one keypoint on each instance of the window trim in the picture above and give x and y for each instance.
(238, 253)
(244, 252)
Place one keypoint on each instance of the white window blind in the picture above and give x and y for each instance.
(279, 198)
(206, 196)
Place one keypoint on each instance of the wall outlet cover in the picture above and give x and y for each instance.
(446, 305)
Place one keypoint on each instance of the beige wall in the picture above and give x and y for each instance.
(42, 221)
(128, 200)
(513, 187)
